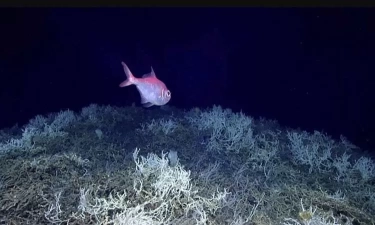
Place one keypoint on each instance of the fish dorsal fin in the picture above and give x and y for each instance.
(150, 74)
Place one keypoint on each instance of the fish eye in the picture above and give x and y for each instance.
(168, 93)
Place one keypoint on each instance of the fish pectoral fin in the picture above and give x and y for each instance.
(147, 104)
(143, 99)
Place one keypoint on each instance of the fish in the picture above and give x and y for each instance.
(152, 90)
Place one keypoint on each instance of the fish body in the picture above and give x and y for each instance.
(152, 90)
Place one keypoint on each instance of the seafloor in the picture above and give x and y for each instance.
(112, 165)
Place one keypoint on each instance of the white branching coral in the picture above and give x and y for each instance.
(230, 132)
(170, 197)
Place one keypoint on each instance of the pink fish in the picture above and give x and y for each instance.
(152, 90)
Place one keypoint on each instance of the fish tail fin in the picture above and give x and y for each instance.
(130, 77)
